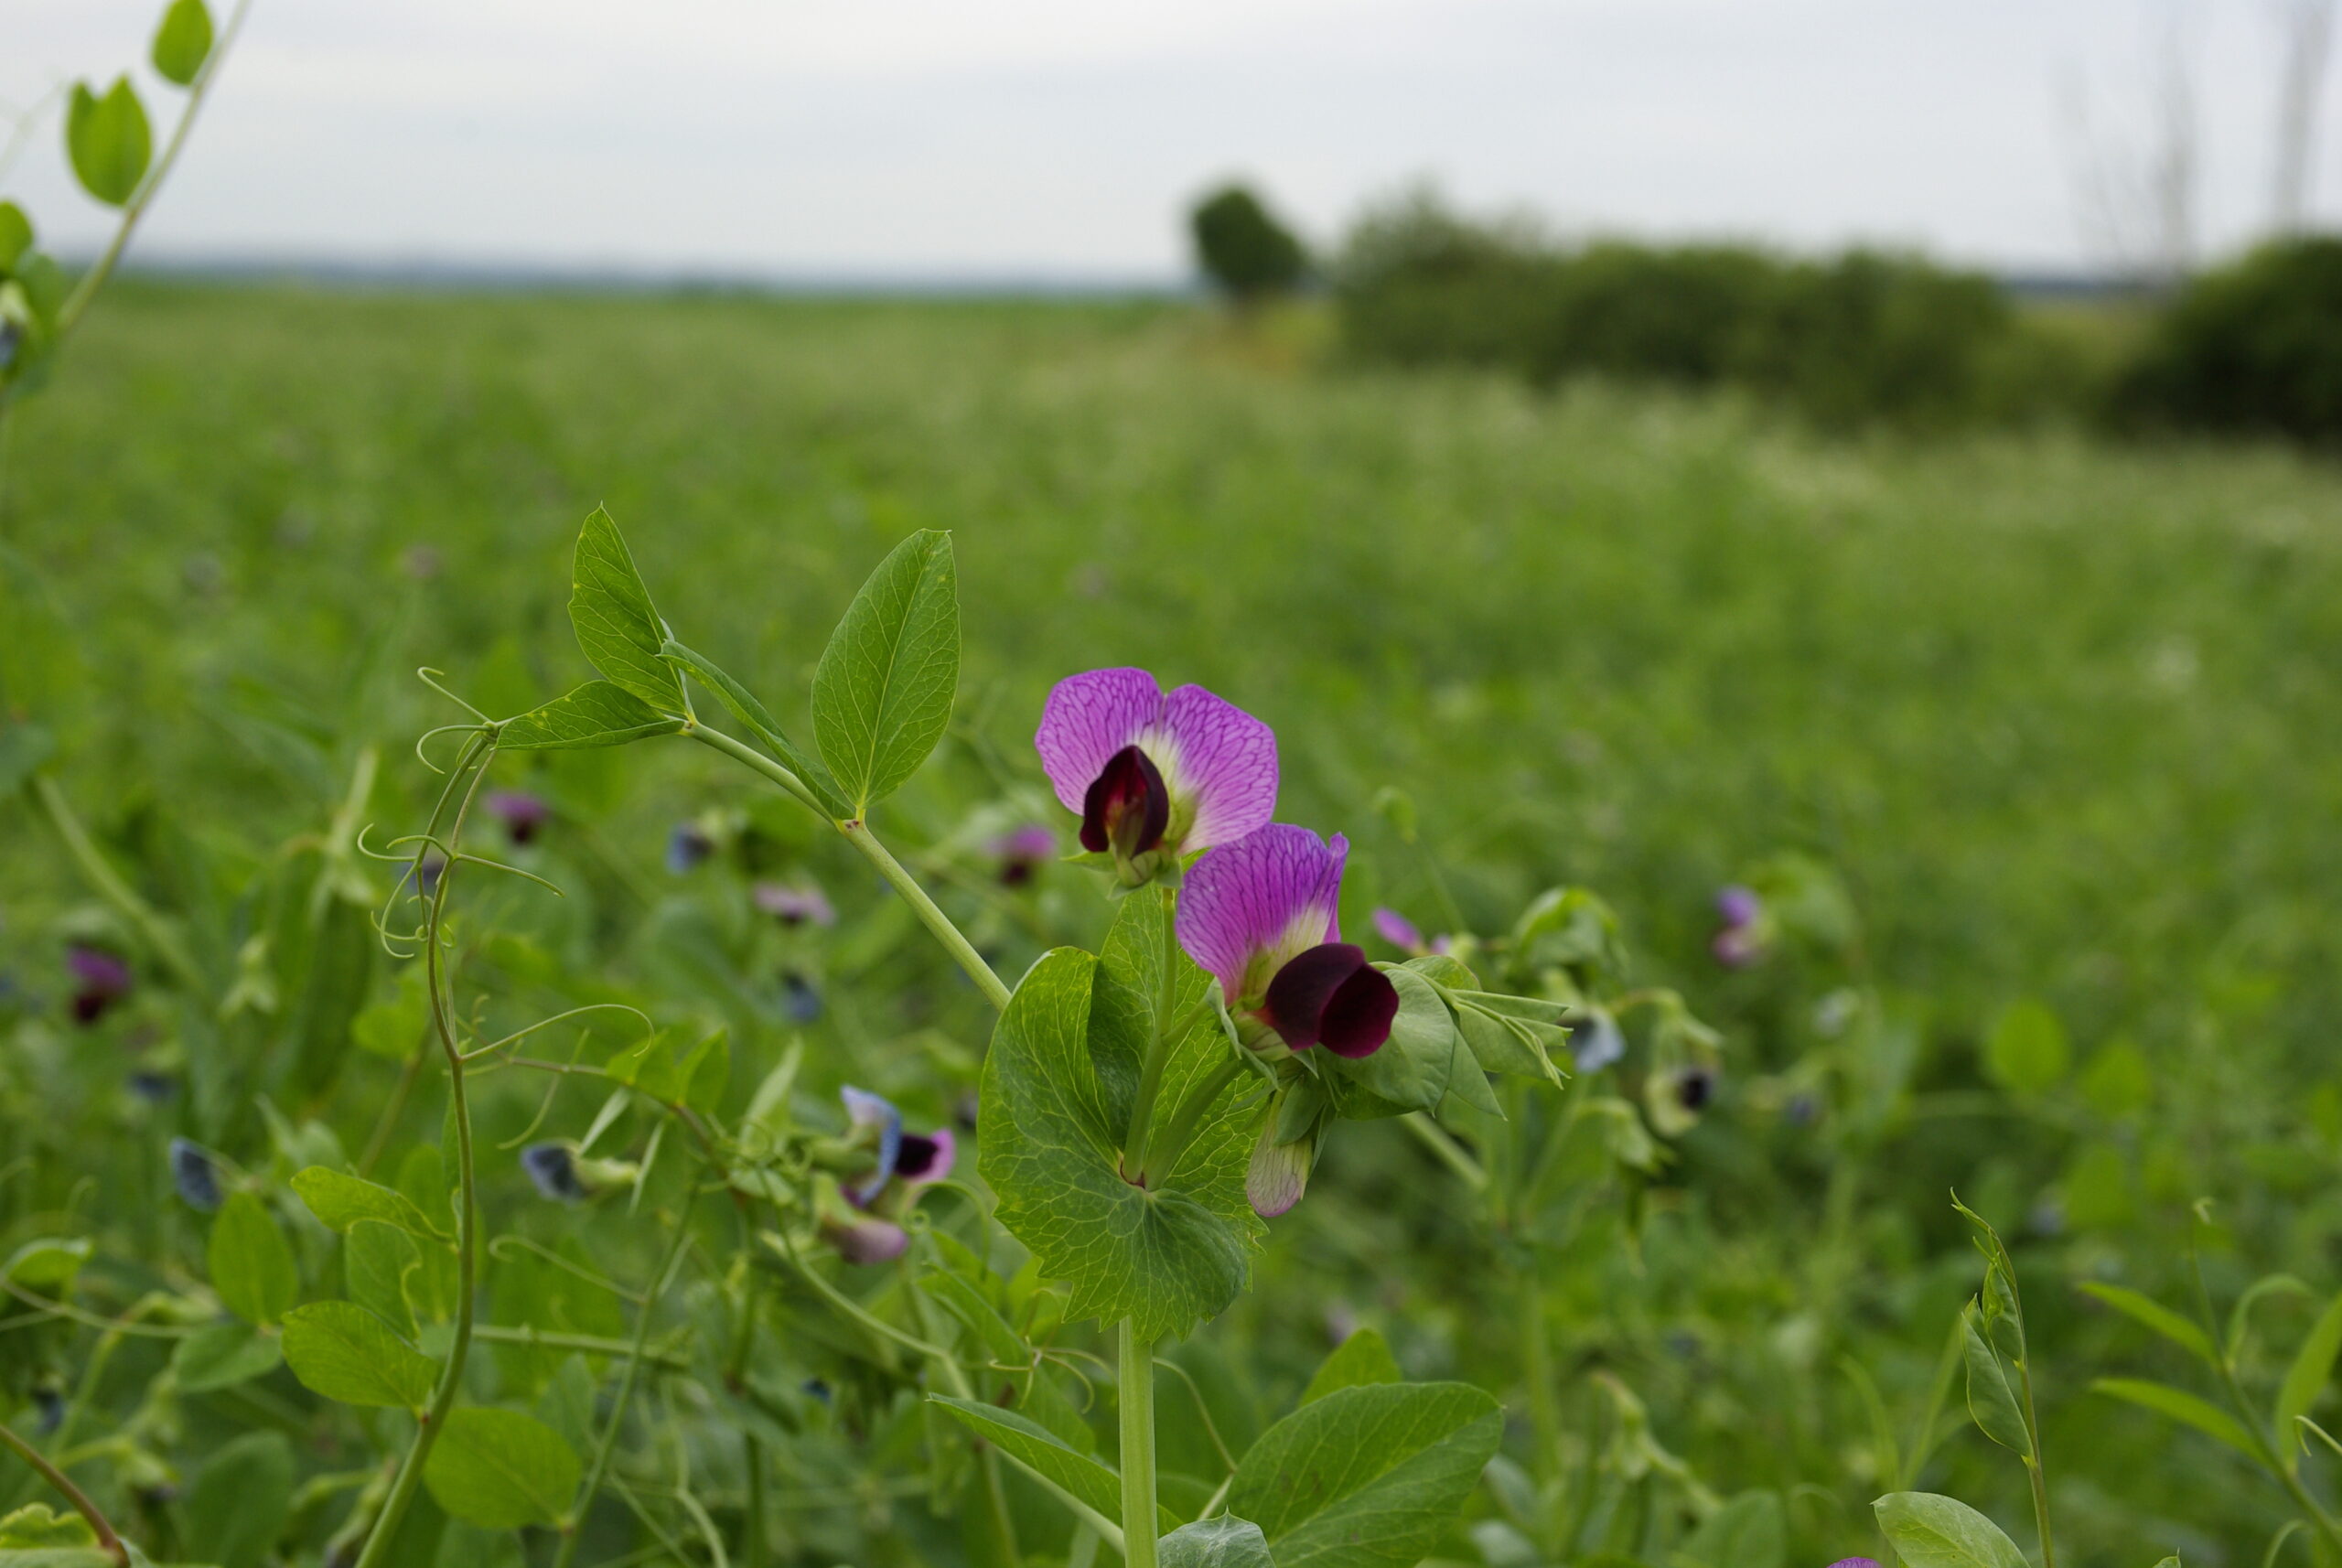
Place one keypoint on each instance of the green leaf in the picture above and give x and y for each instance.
(1223, 1542)
(183, 42)
(2027, 1053)
(108, 141)
(2202, 1415)
(36, 1527)
(761, 727)
(2307, 1378)
(596, 714)
(1367, 1475)
(1933, 1531)
(1089, 1481)
(222, 1355)
(47, 1263)
(343, 949)
(610, 611)
(883, 691)
(2146, 1310)
(375, 1263)
(251, 1266)
(1056, 1101)
(1750, 1531)
(34, 1537)
(1363, 1357)
(500, 1469)
(664, 1068)
(25, 748)
(340, 1200)
(1503, 1040)
(1991, 1402)
(340, 1350)
(240, 1501)
(1411, 1073)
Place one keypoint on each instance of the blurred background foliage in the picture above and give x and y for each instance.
(2025, 737)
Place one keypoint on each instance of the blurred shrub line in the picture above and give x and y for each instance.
(1866, 338)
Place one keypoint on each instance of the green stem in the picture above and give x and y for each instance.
(1433, 1136)
(586, 1344)
(752, 1528)
(574, 1529)
(152, 930)
(962, 950)
(1537, 1367)
(108, 1541)
(443, 1399)
(69, 315)
(1136, 1397)
(858, 833)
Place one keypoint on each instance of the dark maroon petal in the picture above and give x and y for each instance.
(1301, 992)
(98, 970)
(915, 1155)
(1127, 807)
(1358, 1015)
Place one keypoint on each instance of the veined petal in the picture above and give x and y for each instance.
(866, 1110)
(1088, 718)
(1221, 763)
(1278, 1172)
(1270, 895)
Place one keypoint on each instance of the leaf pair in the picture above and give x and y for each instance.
(881, 691)
(1057, 1101)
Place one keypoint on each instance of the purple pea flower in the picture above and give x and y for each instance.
(102, 979)
(1400, 931)
(1855, 1562)
(1260, 915)
(794, 906)
(1020, 851)
(553, 1171)
(918, 1158)
(1744, 935)
(867, 1240)
(520, 813)
(1739, 906)
(1154, 776)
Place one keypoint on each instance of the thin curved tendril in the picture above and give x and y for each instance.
(431, 677)
(648, 1026)
(505, 1246)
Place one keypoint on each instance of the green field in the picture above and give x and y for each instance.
(2062, 718)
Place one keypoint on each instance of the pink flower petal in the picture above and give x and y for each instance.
(1272, 895)
(1224, 760)
(1087, 719)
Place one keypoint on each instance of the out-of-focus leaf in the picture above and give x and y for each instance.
(108, 141)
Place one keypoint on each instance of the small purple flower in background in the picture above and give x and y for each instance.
(1261, 916)
(195, 1175)
(1743, 938)
(1154, 776)
(1855, 1562)
(1406, 936)
(868, 1240)
(688, 848)
(521, 813)
(799, 1001)
(794, 905)
(151, 1087)
(1022, 850)
(917, 1159)
(553, 1169)
(101, 980)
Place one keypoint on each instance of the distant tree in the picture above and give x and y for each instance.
(1241, 247)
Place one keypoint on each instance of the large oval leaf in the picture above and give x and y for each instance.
(610, 611)
(1368, 1477)
(340, 1350)
(882, 693)
(1934, 1531)
(1223, 1542)
(500, 1469)
(252, 1267)
(1055, 1102)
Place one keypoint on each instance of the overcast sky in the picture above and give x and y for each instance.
(939, 138)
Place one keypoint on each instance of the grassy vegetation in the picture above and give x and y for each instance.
(2063, 718)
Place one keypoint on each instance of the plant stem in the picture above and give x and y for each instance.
(587, 1344)
(858, 833)
(69, 315)
(108, 1541)
(152, 930)
(752, 1528)
(443, 1399)
(1135, 1398)
(1433, 1136)
(1537, 1367)
(574, 1529)
(937, 922)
